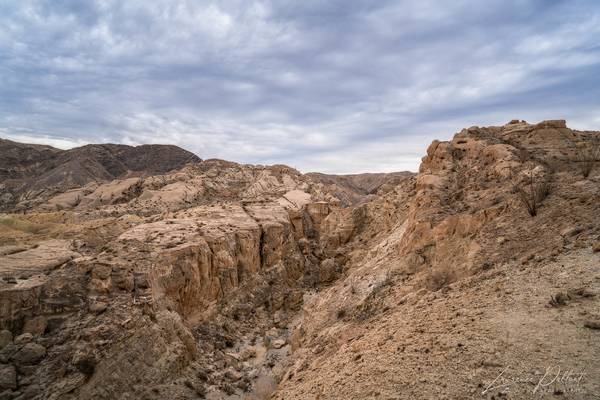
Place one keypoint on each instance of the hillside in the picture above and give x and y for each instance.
(354, 188)
(30, 172)
(225, 281)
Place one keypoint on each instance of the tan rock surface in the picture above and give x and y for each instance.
(230, 281)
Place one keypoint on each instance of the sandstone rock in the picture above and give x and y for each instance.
(571, 231)
(328, 270)
(124, 281)
(558, 123)
(7, 352)
(85, 362)
(102, 271)
(99, 286)
(6, 338)
(36, 326)
(596, 247)
(592, 324)
(24, 338)
(318, 211)
(278, 343)
(98, 307)
(46, 256)
(559, 299)
(141, 281)
(29, 354)
(8, 377)
(31, 391)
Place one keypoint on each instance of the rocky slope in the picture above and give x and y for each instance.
(30, 173)
(356, 188)
(229, 281)
(465, 295)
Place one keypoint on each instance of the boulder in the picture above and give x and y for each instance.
(6, 338)
(35, 326)
(98, 307)
(278, 343)
(30, 354)
(24, 338)
(328, 270)
(8, 377)
(85, 362)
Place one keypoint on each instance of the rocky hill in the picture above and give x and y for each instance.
(476, 278)
(355, 188)
(29, 173)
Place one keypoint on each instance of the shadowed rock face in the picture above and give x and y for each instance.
(354, 188)
(148, 266)
(228, 281)
(29, 171)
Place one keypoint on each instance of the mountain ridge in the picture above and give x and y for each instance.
(27, 170)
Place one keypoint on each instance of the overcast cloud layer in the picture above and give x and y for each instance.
(335, 86)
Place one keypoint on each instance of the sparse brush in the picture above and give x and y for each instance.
(587, 156)
(523, 155)
(262, 388)
(439, 277)
(533, 192)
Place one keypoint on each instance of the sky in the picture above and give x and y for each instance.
(335, 86)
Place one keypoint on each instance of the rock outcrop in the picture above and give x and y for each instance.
(30, 173)
(222, 280)
(460, 273)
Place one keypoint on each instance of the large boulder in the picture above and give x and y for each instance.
(30, 354)
(8, 377)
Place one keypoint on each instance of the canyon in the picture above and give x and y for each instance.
(148, 273)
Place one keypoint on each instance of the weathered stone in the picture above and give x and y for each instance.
(85, 362)
(8, 377)
(592, 324)
(278, 343)
(30, 353)
(328, 270)
(6, 338)
(98, 307)
(36, 326)
(24, 338)
(31, 392)
(101, 271)
(7, 352)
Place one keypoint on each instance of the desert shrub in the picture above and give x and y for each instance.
(375, 299)
(23, 225)
(263, 388)
(439, 277)
(532, 192)
(523, 155)
(586, 156)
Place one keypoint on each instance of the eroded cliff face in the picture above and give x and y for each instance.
(226, 281)
(171, 285)
(460, 282)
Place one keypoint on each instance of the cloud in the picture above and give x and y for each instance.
(333, 86)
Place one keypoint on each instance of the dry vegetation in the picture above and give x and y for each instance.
(587, 155)
(439, 277)
(533, 192)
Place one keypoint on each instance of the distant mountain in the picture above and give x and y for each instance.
(353, 188)
(27, 168)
